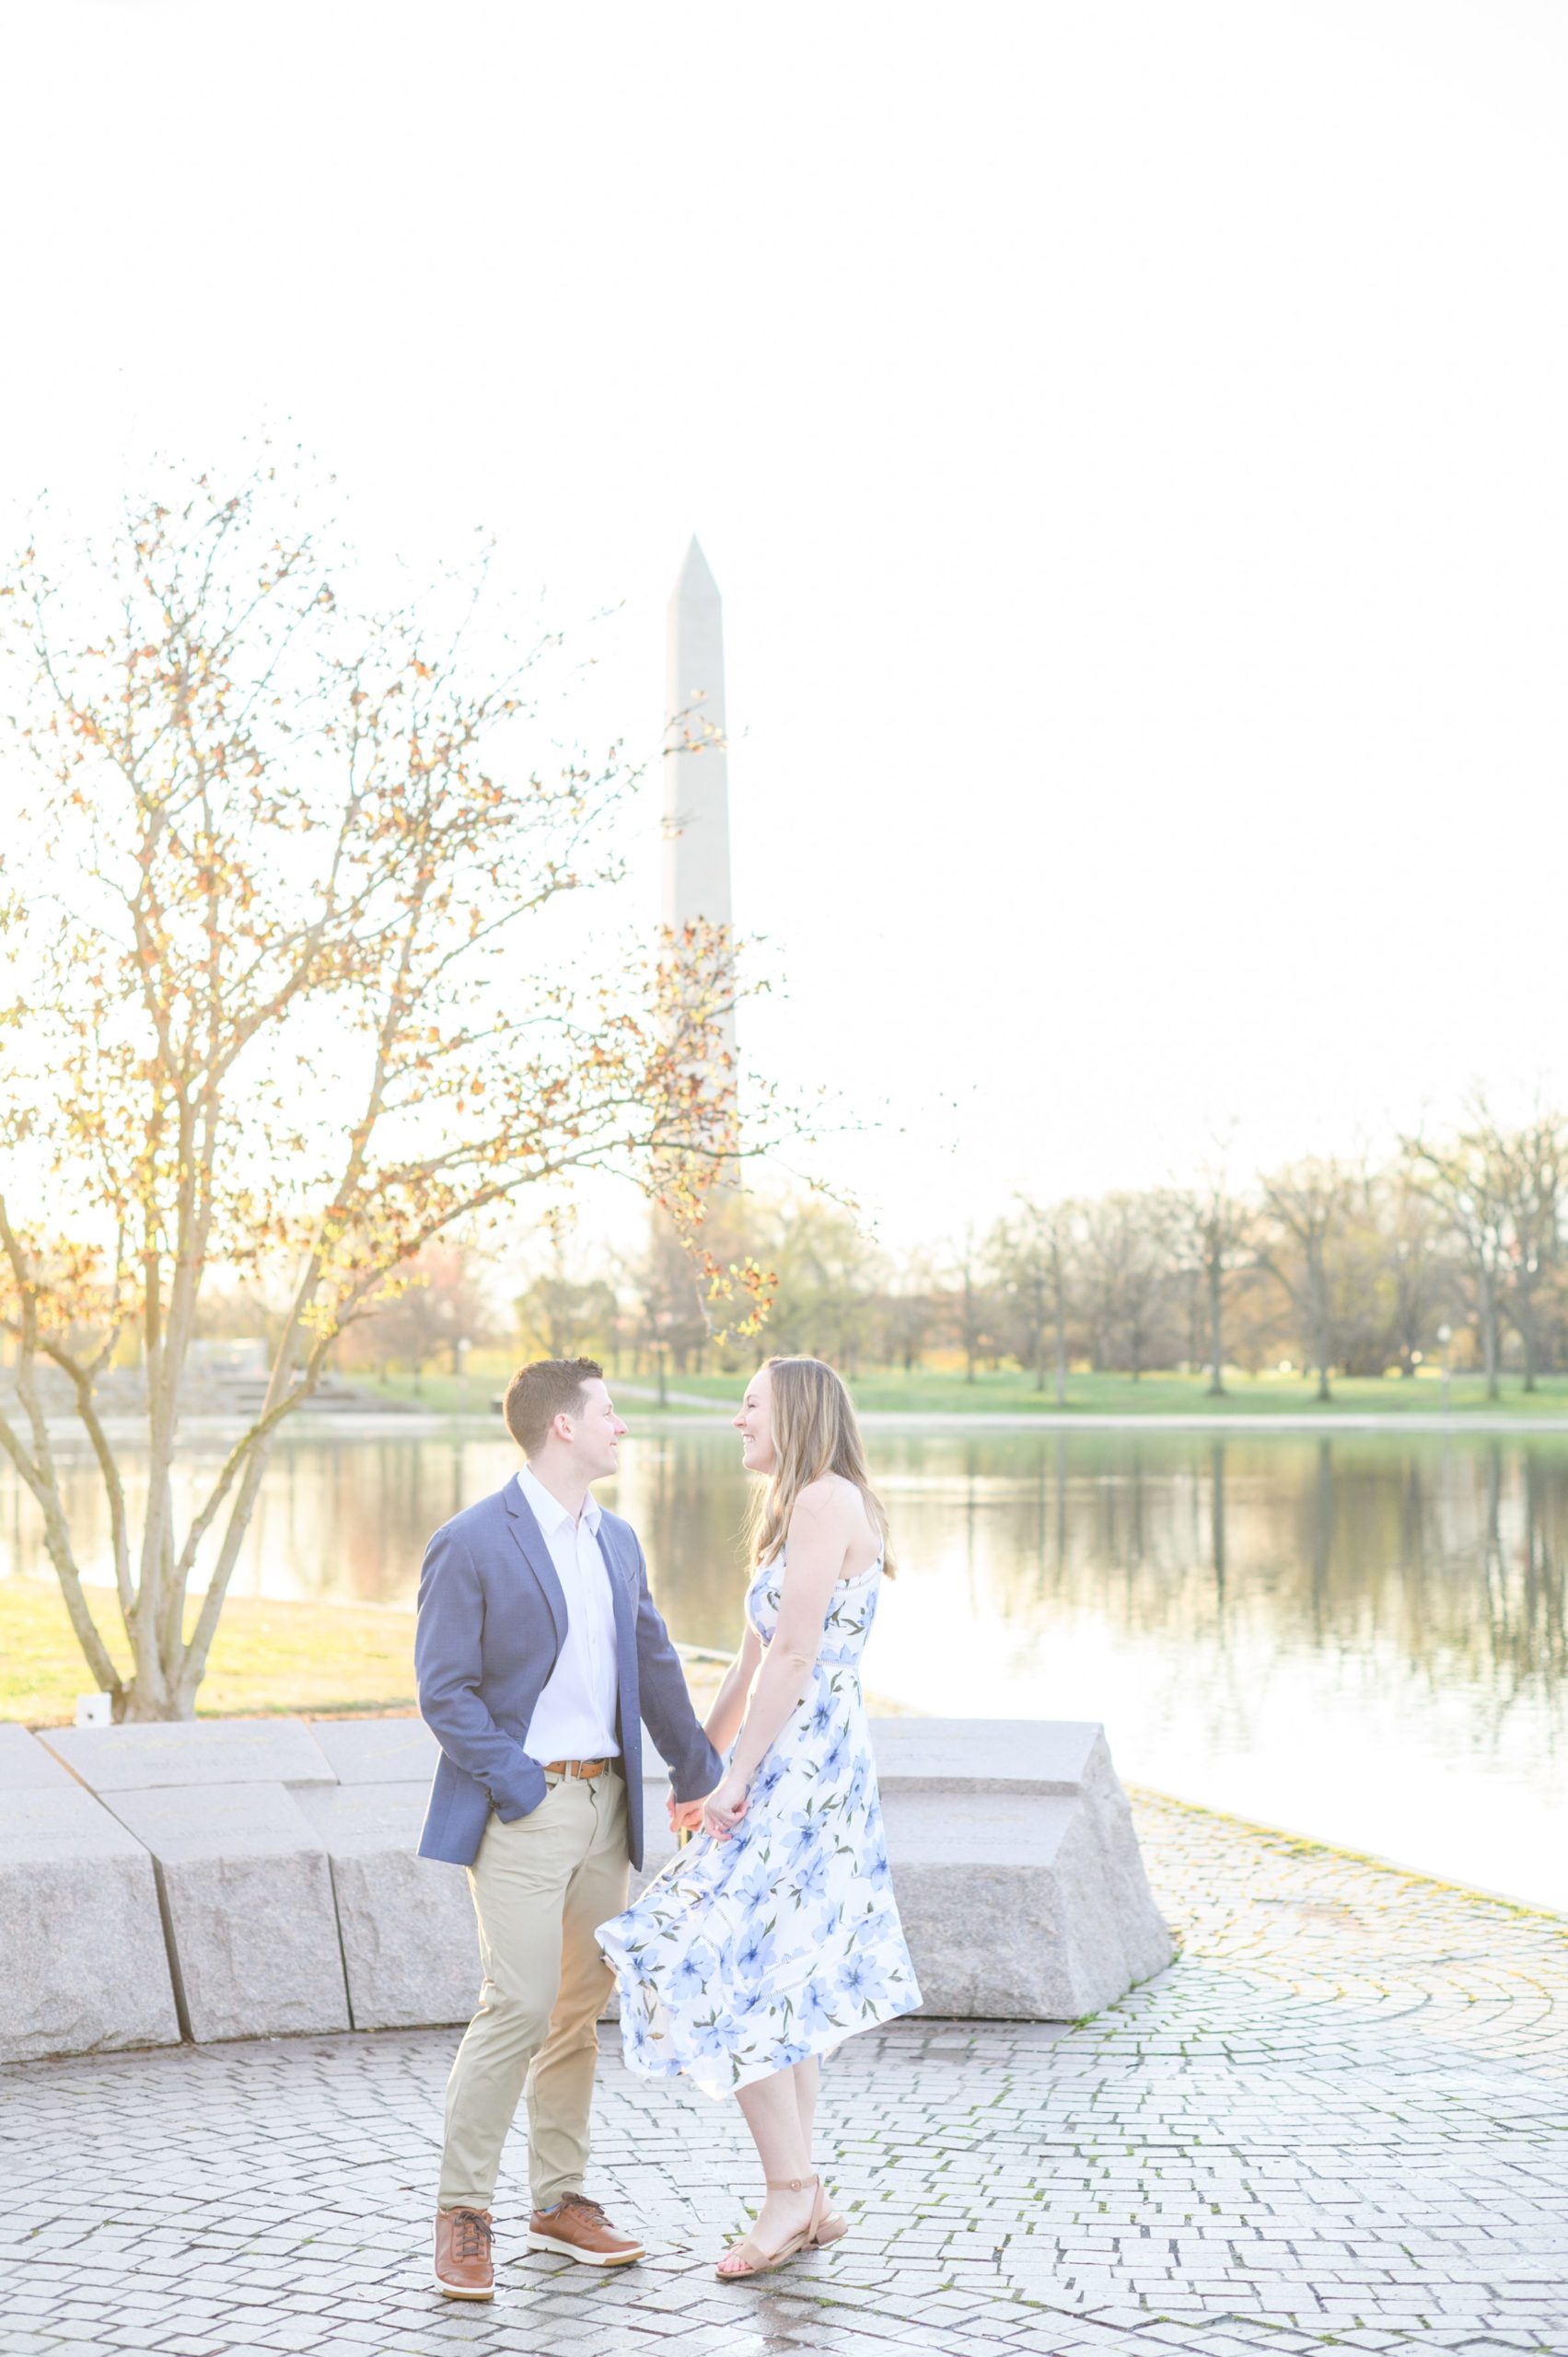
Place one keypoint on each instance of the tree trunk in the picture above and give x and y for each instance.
(1488, 1309)
(192, 1667)
(1216, 1335)
(1317, 1291)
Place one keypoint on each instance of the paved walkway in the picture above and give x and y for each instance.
(1340, 2122)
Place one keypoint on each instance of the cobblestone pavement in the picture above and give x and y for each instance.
(1340, 2122)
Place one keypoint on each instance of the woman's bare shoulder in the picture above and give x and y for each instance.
(829, 1494)
(831, 1503)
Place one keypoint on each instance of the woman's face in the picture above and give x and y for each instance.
(755, 1425)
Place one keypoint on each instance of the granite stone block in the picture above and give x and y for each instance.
(985, 1755)
(1015, 1866)
(1025, 1816)
(26, 1766)
(1020, 1907)
(377, 1751)
(409, 1943)
(293, 1900)
(248, 1899)
(83, 1962)
(198, 1752)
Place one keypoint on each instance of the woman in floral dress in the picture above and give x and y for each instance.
(773, 1936)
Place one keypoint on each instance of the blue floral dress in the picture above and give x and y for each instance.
(745, 1955)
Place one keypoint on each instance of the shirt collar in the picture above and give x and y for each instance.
(549, 1511)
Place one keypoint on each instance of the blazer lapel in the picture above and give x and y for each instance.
(622, 1568)
(624, 1603)
(536, 1555)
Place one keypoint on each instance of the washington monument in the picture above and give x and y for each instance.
(696, 767)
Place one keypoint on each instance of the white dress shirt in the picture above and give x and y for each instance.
(574, 1716)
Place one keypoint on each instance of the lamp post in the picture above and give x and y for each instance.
(1444, 1335)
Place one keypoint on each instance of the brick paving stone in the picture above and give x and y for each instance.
(1337, 2122)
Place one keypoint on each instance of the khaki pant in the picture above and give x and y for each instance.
(539, 1886)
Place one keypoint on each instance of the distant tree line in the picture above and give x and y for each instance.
(1453, 1250)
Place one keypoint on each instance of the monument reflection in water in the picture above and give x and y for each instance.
(1360, 1638)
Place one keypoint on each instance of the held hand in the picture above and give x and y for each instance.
(724, 1808)
(685, 1817)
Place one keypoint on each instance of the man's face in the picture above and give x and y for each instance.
(596, 1432)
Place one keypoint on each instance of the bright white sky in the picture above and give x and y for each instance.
(1130, 438)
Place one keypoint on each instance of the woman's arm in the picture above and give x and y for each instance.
(667, 1705)
(730, 1703)
(816, 1542)
(721, 1721)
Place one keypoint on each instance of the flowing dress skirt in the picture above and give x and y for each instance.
(743, 1956)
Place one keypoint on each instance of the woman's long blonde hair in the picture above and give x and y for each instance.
(814, 1432)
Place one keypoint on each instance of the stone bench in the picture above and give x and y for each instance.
(267, 1881)
(409, 1952)
(84, 1965)
(242, 1874)
(1015, 1866)
(248, 1905)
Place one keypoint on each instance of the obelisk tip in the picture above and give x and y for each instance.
(695, 579)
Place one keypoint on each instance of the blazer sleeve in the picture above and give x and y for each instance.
(694, 1766)
(447, 1662)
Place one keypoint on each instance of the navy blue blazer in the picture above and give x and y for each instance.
(492, 1618)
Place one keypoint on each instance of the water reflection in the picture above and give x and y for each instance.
(1364, 1637)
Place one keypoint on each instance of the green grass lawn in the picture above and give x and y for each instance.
(314, 1660)
(931, 1391)
(934, 1393)
(441, 1393)
(321, 1660)
(325, 1658)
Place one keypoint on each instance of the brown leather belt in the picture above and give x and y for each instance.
(583, 1767)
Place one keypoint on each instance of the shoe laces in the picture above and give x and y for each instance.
(581, 2201)
(474, 2235)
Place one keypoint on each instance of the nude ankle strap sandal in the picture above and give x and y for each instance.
(763, 2262)
(827, 2225)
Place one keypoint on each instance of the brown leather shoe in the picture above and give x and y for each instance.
(463, 2255)
(577, 2229)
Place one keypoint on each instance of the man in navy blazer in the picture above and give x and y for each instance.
(539, 1653)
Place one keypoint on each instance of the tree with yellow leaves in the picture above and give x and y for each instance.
(285, 990)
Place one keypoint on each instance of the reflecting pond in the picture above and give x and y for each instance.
(1359, 1637)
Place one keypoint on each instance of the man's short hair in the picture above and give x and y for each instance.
(543, 1390)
